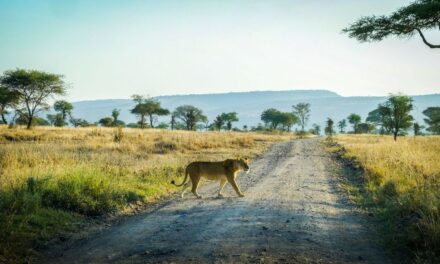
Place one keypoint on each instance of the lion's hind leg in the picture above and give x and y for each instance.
(195, 185)
(222, 185)
(184, 188)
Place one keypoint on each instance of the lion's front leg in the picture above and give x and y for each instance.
(231, 180)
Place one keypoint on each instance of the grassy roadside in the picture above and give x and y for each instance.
(400, 183)
(54, 181)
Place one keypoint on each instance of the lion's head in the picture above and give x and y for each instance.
(238, 164)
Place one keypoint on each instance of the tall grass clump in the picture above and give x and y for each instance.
(54, 180)
(402, 180)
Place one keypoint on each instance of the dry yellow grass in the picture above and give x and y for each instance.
(403, 180)
(412, 160)
(53, 177)
(54, 151)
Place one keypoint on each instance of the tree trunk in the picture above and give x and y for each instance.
(395, 136)
(151, 121)
(4, 119)
(29, 124)
(142, 121)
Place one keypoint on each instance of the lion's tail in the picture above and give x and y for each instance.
(184, 180)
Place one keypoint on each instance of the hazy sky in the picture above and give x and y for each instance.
(113, 49)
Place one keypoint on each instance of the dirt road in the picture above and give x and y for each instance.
(293, 212)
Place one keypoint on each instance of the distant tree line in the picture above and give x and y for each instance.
(274, 119)
(393, 118)
(25, 93)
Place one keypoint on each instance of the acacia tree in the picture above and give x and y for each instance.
(417, 128)
(8, 99)
(190, 115)
(115, 115)
(419, 16)
(398, 108)
(228, 118)
(316, 129)
(380, 117)
(271, 118)
(329, 131)
(65, 109)
(106, 121)
(287, 120)
(302, 111)
(218, 122)
(432, 119)
(366, 128)
(274, 118)
(354, 119)
(56, 120)
(148, 107)
(342, 125)
(113, 120)
(33, 89)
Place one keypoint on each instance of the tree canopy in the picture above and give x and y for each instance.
(417, 128)
(380, 117)
(229, 119)
(354, 119)
(302, 111)
(275, 118)
(415, 18)
(329, 131)
(8, 99)
(112, 121)
(65, 109)
(106, 122)
(225, 118)
(316, 130)
(366, 128)
(432, 119)
(33, 89)
(397, 112)
(270, 117)
(218, 123)
(342, 125)
(147, 107)
(189, 115)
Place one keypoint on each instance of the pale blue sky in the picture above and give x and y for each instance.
(113, 49)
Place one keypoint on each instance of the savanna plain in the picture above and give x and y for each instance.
(56, 181)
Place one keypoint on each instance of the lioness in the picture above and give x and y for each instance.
(220, 170)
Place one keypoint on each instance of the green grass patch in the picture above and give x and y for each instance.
(46, 206)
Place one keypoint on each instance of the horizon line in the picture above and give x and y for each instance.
(257, 91)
